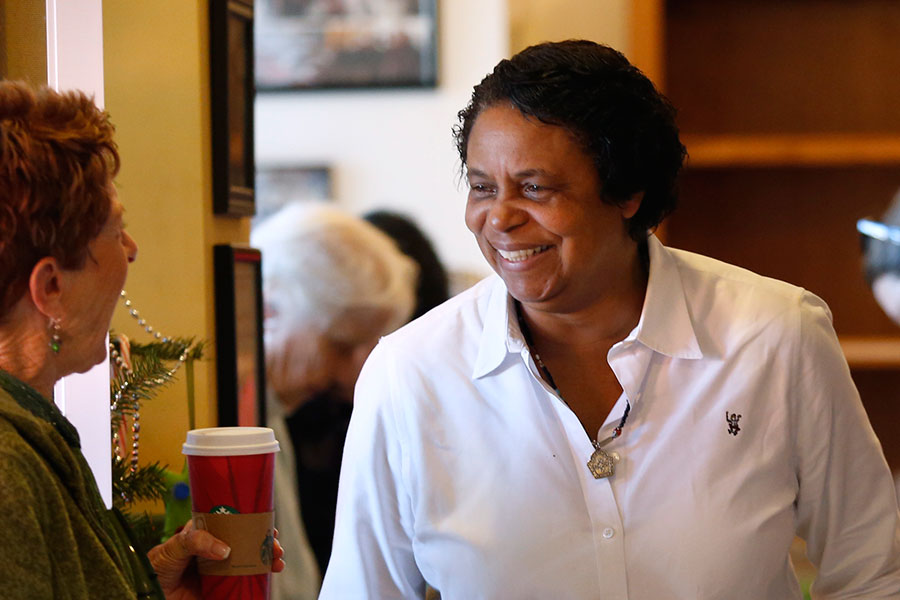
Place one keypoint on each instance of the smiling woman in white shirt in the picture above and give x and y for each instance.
(605, 417)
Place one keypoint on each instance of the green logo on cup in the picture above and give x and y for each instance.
(224, 509)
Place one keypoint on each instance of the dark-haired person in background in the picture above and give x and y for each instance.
(606, 417)
(64, 255)
(432, 285)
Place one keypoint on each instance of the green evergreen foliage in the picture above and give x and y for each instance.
(144, 483)
(152, 366)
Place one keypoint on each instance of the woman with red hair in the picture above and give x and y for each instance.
(64, 255)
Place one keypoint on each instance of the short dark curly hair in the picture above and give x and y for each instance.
(621, 120)
(57, 159)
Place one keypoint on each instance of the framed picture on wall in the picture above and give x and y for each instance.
(232, 92)
(280, 185)
(343, 44)
(240, 358)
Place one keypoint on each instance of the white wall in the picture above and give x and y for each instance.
(75, 61)
(393, 148)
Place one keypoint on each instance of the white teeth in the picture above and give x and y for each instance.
(520, 255)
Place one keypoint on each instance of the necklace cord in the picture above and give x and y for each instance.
(526, 333)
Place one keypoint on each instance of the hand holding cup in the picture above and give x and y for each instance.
(231, 472)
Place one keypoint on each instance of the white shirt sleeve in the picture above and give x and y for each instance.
(372, 555)
(846, 505)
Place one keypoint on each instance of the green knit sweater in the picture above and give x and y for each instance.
(57, 539)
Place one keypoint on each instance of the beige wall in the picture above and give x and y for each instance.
(23, 41)
(157, 92)
(604, 21)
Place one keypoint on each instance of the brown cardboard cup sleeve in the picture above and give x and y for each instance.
(251, 537)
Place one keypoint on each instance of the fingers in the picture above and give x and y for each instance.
(279, 551)
(202, 543)
(172, 557)
(277, 556)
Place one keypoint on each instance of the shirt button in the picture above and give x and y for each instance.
(609, 532)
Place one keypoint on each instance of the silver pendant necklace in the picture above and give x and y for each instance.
(600, 464)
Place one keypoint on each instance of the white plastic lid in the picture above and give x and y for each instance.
(230, 441)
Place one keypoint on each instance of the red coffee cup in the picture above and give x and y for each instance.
(232, 471)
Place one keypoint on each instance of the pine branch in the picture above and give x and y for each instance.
(170, 350)
(130, 388)
(153, 365)
(144, 483)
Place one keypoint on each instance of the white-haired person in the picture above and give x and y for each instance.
(333, 284)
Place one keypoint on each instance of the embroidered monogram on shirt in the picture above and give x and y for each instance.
(733, 419)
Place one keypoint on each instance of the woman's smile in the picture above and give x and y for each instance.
(516, 256)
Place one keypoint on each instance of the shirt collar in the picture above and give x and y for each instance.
(500, 336)
(665, 325)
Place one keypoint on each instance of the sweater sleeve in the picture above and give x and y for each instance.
(25, 562)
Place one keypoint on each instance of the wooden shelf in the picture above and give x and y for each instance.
(789, 114)
(872, 352)
(796, 150)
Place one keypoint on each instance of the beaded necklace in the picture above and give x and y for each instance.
(600, 464)
(124, 396)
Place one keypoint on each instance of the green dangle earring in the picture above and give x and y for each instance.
(55, 342)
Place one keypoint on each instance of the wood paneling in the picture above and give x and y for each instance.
(794, 224)
(777, 66)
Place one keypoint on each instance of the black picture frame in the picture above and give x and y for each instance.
(231, 102)
(240, 357)
(302, 44)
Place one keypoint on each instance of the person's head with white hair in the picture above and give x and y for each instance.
(332, 286)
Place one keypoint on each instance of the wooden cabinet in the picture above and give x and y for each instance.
(790, 110)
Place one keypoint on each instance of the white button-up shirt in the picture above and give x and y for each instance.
(464, 470)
